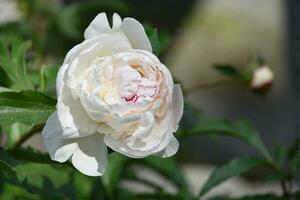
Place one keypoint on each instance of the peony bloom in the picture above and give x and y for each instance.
(112, 91)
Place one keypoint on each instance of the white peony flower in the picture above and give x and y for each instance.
(112, 91)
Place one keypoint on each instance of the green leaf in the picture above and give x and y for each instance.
(28, 107)
(10, 192)
(233, 168)
(229, 71)
(280, 155)
(12, 61)
(14, 132)
(294, 156)
(110, 179)
(7, 163)
(161, 196)
(30, 155)
(84, 185)
(159, 40)
(294, 196)
(168, 168)
(34, 174)
(241, 130)
(50, 74)
(130, 174)
(48, 181)
(67, 21)
(4, 89)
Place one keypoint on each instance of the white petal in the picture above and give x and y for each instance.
(146, 124)
(73, 119)
(88, 51)
(89, 153)
(171, 149)
(117, 21)
(97, 27)
(91, 156)
(70, 110)
(59, 149)
(156, 141)
(121, 147)
(177, 103)
(135, 33)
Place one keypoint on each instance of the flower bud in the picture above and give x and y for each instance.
(262, 78)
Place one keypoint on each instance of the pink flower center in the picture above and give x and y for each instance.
(144, 91)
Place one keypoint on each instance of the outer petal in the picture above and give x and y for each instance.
(133, 29)
(171, 149)
(173, 145)
(135, 33)
(90, 158)
(97, 27)
(89, 153)
(71, 113)
(117, 21)
(74, 120)
(59, 149)
(121, 147)
(177, 103)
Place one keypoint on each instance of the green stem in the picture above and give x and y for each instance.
(26, 136)
(148, 183)
(284, 188)
(285, 183)
(217, 83)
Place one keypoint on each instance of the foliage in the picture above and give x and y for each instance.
(159, 40)
(31, 51)
(233, 168)
(12, 62)
(17, 106)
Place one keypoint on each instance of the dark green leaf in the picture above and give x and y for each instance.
(159, 40)
(280, 155)
(161, 196)
(7, 163)
(234, 73)
(229, 71)
(130, 174)
(50, 74)
(47, 181)
(14, 132)
(241, 130)
(67, 21)
(168, 168)
(10, 192)
(34, 174)
(12, 61)
(294, 196)
(294, 156)
(294, 149)
(28, 107)
(233, 168)
(30, 155)
(110, 179)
